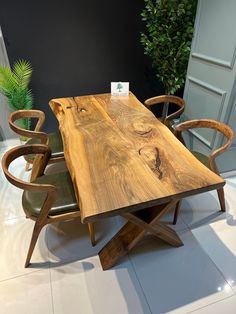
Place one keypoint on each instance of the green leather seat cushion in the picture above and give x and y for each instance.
(55, 143)
(65, 199)
(201, 157)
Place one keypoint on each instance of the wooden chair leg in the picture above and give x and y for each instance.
(221, 196)
(27, 166)
(177, 208)
(92, 234)
(34, 238)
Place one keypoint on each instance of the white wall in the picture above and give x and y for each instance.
(5, 131)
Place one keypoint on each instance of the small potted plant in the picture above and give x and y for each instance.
(167, 40)
(14, 85)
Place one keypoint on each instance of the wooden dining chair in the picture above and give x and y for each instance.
(169, 119)
(49, 199)
(208, 161)
(36, 136)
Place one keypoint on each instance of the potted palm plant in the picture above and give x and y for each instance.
(167, 40)
(14, 85)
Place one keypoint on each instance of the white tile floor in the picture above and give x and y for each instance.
(66, 275)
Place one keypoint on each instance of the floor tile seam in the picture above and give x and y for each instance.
(187, 227)
(195, 226)
(47, 244)
(214, 302)
(33, 271)
(222, 274)
(18, 217)
(66, 260)
(136, 275)
(218, 269)
(50, 273)
(52, 299)
(7, 219)
(23, 275)
(185, 222)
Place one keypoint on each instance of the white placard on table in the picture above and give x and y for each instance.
(119, 88)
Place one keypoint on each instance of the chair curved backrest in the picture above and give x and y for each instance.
(167, 99)
(21, 114)
(212, 124)
(42, 150)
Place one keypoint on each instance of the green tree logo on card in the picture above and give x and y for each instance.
(119, 87)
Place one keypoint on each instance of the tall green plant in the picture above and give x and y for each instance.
(14, 85)
(167, 39)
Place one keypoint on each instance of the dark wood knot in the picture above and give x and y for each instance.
(142, 128)
(151, 155)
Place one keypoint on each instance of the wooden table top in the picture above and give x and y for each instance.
(121, 158)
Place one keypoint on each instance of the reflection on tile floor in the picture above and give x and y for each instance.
(66, 275)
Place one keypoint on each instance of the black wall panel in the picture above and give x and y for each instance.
(76, 47)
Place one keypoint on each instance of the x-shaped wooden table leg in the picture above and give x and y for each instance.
(139, 223)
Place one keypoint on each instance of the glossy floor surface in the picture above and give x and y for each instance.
(66, 276)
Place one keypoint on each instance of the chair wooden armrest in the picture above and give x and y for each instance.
(167, 99)
(36, 136)
(175, 115)
(213, 124)
(22, 114)
(19, 151)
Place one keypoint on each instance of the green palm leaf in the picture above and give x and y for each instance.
(14, 85)
(7, 81)
(21, 99)
(22, 72)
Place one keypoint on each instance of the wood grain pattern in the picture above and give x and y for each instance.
(121, 158)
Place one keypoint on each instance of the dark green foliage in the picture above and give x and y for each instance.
(167, 40)
(14, 85)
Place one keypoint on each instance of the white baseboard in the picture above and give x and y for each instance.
(228, 174)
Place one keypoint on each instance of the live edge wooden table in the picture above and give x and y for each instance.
(123, 161)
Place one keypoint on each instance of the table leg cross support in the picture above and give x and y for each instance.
(139, 223)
